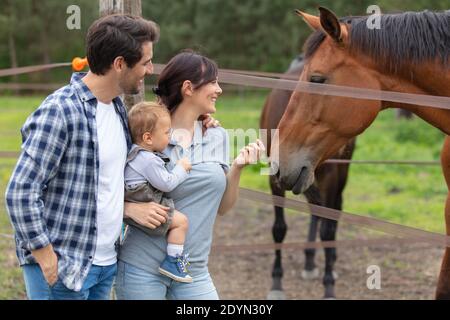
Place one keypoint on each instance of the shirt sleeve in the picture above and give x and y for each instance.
(44, 140)
(226, 159)
(152, 168)
(218, 147)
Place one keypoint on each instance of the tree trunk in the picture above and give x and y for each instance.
(12, 42)
(133, 7)
(45, 49)
(38, 9)
(12, 51)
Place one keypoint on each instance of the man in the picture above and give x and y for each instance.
(65, 196)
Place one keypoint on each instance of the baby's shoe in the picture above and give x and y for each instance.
(176, 268)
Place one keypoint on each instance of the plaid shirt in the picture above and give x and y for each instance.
(52, 194)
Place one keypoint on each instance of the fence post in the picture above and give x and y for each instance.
(133, 7)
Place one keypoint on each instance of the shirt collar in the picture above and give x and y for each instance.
(82, 89)
(198, 135)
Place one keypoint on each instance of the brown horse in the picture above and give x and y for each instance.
(327, 191)
(409, 53)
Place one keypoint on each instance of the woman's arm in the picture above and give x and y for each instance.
(232, 190)
(248, 155)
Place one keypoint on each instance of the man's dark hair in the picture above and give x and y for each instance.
(118, 35)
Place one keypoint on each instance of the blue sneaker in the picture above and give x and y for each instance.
(176, 268)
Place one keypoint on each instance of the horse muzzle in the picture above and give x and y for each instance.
(298, 179)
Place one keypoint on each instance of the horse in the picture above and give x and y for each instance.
(327, 191)
(409, 53)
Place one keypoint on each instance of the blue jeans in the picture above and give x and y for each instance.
(97, 285)
(136, 284)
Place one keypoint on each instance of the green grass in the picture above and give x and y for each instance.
(409, 195)
(13, 112)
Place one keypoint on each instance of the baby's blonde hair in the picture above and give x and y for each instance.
(143, 117)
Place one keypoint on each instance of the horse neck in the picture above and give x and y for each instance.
(428, 79)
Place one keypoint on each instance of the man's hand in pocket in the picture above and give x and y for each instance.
(48, 261)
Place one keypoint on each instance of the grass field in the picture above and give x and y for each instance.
(409, 195)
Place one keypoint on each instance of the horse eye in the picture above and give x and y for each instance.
(317, 79)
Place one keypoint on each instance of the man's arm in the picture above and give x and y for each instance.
(150, 215)
(44, 138)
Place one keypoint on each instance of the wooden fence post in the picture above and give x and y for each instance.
(133, 7)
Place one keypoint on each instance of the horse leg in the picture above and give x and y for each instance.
(443, 286)
(333, 199)
(328, 230)
(311, 272)
(328, 233)
(279, 230)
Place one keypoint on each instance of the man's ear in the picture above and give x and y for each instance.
(119, 63)
(187, 89)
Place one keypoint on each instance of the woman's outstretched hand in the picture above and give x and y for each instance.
(250, 154)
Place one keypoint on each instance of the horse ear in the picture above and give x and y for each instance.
(312, 21)
(330, 24)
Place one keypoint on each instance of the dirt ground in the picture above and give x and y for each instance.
(407, 271)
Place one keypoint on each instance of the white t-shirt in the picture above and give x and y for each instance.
(112, 147)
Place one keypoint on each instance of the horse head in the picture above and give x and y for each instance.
(314, 127)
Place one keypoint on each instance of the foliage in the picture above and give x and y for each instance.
(254, 34)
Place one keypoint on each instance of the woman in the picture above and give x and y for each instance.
(189, 87)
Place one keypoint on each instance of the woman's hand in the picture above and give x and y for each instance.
(250, 154)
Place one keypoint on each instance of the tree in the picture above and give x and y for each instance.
(261, 35)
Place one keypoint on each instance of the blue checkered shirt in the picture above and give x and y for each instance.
(51, 197)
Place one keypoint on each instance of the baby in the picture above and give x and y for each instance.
(147, 179)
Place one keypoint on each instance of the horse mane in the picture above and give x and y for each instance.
(405, 38)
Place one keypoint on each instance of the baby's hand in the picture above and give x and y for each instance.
(185, 163)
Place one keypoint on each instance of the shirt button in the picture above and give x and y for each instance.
(90, 257)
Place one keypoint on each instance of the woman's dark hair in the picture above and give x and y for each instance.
(118, 35)
(186, 65)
